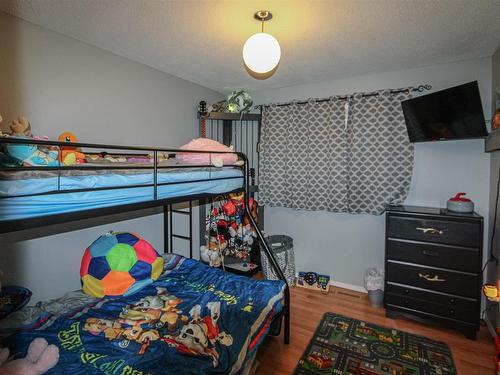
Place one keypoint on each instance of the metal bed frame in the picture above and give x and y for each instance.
(242, 132)
(7, 226)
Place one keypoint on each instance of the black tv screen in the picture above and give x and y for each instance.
(454, 113)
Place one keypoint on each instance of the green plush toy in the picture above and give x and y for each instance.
(239, 101)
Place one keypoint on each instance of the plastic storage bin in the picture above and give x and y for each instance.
(282, 248)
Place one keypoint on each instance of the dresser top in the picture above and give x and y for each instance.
(431, 211)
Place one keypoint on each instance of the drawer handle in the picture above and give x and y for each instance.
(430, 230)
(428, 278)
(430, 253)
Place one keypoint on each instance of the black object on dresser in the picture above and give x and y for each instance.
(433, 263)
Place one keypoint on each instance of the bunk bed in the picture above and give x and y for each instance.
(35, 196)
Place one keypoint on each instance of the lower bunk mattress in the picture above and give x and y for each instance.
(193, 320)
(27, 204)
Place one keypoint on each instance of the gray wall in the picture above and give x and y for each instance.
(495, 79)
(493, 271)
(62, 84)
(343, 245)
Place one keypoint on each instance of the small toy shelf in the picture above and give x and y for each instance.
(242, 132)
(232, 116)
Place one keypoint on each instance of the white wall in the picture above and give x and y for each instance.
(62, 84)
(343, 245)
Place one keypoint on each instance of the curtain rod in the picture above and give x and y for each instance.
(419, 88)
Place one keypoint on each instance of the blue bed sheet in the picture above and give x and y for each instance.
(193, 320)
(32, 206)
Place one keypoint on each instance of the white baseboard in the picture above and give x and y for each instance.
(356, 288)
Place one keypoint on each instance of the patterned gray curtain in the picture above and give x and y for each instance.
(336, 155)
(303, 160)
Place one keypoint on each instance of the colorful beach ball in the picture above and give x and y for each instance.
(119, 264)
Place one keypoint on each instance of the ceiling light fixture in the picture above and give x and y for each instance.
(261, 52)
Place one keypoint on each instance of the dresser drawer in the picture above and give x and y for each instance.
(433, 230)
(450, 312)
(446, 281)
(462, 308)
(443, 256)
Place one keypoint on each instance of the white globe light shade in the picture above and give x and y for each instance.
(261, 53)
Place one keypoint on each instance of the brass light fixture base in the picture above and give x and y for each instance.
(263, 15)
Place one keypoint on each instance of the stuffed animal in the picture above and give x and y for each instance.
(205, 144)
(41, 357)
(239, 102)
(2, 134)
(21, 127)
(70, 155)
(218, 107)
(31, 155)
(495, 120)
(229, 208)
(212, 257)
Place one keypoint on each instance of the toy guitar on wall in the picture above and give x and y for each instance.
(202, 110)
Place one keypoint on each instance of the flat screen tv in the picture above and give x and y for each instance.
(454, 113)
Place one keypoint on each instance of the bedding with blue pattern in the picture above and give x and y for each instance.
(193, 320)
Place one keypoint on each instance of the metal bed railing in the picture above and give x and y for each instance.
(155, 201)
(155, 167)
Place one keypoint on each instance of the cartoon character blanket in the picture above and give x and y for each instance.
(193, 320)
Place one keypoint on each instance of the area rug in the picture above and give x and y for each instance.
(343, 345)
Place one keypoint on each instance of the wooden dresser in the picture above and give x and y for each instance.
(433, 261)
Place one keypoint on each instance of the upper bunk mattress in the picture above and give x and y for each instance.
(182, 182)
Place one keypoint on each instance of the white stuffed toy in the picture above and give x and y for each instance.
(211, 257)
(41, 357)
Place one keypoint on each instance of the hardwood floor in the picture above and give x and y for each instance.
(471, 357)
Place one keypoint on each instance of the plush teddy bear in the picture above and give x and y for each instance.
(41, 357)
(21, 127)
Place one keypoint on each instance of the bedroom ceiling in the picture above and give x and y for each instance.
(201, 41)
